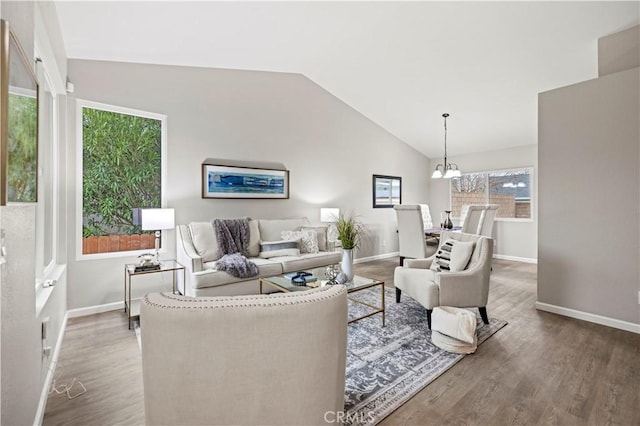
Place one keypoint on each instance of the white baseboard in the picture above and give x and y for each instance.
(97, 309)
(495, 256)
(515, 258)
(376, 257)
(586, 316)
(44, 395)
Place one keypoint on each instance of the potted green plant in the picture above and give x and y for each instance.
(350, 231)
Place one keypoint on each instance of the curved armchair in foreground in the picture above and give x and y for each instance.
(263, 359)
(467, 287)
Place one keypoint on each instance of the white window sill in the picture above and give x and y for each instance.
(501, 219)
(43, 293)
(118, 254)
(513, 219)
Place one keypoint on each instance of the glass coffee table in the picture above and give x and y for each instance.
(282, 283)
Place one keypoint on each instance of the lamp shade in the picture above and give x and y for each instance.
(329, 214)
(156, 219)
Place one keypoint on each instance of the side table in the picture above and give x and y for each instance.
(133, 309)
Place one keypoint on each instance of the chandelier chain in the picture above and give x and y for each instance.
(445, 115)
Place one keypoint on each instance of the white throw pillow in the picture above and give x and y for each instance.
(452, 256)
(254, 239)
(454, 322)
(321, 232)
(269, 249)
(204, 240)
(270, 229)
(308, 240)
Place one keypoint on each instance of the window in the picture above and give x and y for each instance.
(387, 191)
(510, 189)
(121, 166)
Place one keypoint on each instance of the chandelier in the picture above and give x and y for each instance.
(446, 170)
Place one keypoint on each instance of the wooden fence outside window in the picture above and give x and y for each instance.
(114, 243)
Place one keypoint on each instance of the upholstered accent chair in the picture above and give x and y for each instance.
(488, 220)
(468, 287)
(411, 237)
(471, 218)
(261, 359)
(427, 222)
(479, 219)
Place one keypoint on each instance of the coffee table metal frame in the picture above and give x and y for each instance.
(358, 283)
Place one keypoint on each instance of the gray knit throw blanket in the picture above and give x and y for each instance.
(237, 265)
(232, 236)
(233, 242)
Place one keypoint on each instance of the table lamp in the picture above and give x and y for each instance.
(157, 220)
(329, 214)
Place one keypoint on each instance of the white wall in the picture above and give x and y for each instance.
(331, 150)
(589, 144)
(24, 369)
(513, 239)
(20, 333)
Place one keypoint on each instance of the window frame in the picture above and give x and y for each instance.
(389, 202)
(529, 169)
(80, 104)
(48, 167)
(48, 73)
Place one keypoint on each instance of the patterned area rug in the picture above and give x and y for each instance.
(386, 366)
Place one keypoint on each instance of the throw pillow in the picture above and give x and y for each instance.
(204, 240)
(270, 229)
(254, 239)
(270, 249)
(321, 232)
(308, 240)
(457, 323)
(452, 256)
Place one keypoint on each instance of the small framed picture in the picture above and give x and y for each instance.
(243, 182)
(387, 191)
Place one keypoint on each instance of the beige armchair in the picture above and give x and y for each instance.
(262, 359)
(462, 289)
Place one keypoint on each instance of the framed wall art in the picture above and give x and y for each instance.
(387, 191)
(221, 181)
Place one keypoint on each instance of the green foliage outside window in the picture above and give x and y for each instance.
(121, 157)
(22, 148)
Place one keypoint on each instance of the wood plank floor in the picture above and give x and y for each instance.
(540, 369)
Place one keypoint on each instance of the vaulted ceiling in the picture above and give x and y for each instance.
(400, 64)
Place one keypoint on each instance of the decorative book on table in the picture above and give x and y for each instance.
(301, 277)
(147, 267)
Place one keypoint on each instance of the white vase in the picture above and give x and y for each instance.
(347, 263)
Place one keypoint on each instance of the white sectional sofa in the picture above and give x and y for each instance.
(197, 250)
